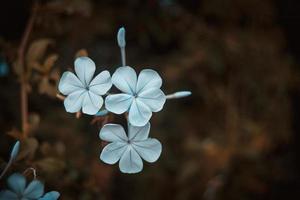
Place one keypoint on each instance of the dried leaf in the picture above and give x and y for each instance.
(15, 133)
(35, 53)
(49, 62)
(38, 49)
(34, 120)
(51, 165)
(28, 148)
(45, 87)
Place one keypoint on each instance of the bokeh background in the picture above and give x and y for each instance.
(235, 138)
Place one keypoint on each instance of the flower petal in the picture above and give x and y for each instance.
(154, 98)
(101, 83)
(34, 190)
(149, 149)
(91, 103)
(125, 79)
(16, 182)
(6, 194)
(137, 133)
(130, 161)
(73, 102)
(53, 195)
(112, 152)
(69, 83)
(85, 69)
(113, 133)
(148, 78)
(139, 113)
(118, 103)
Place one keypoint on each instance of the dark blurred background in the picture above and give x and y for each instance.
(236, 137)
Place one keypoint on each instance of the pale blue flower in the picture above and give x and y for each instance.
(20, 191)
(141, 96)
(129, 150)
(82, 91)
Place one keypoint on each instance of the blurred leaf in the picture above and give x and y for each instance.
(49, 62)
(28, 148)
(36, 52)
(15, 133)
(48, 84)
(34, 121)
(51, 165)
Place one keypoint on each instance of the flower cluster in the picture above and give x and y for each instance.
(140, 96)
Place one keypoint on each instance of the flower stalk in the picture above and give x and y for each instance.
(23, 78)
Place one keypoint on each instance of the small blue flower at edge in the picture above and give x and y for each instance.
(18, 190)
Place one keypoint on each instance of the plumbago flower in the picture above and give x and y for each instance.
(20, 191)
(82, 91)
(129, 149)
(141, 95)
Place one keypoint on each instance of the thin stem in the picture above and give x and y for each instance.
(33, 171)
(60, 97)
(6, 168)
(21, 64)
(170, 96)
(123, 56)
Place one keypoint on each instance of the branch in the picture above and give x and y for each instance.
(21, 64)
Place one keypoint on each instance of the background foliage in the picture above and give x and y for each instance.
(234, 138)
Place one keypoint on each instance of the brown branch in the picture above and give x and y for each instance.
(21, 64)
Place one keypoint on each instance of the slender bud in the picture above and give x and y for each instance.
(182, 94)
(15, 151)
(121, 37)
(179, 94)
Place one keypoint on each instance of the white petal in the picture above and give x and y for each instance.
(112, 152)
(149, 149)
(154, 98)
(113, 133)
(101, 83)
(130, 161)
(85, 69)
(125, 79)
(148, 78)
(91, 103)
(69, 83)
(73, 102)
(139, 113)
(118, 103)
(137, 133)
